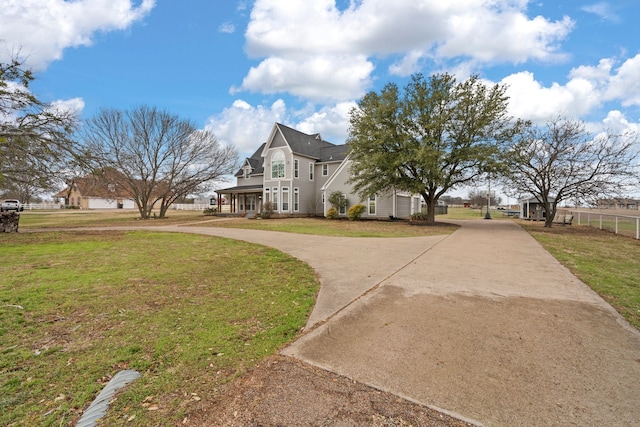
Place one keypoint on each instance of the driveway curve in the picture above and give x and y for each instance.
(483, 323)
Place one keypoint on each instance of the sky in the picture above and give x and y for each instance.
(237, 67)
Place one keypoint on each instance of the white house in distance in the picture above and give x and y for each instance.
(297, 172)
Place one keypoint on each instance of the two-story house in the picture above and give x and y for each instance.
(297, 172)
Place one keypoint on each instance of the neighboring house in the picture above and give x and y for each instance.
(297, 172)
(95, 192)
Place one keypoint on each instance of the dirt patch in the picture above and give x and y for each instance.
(282, 391)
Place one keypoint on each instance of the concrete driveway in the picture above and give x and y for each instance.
(483, 323)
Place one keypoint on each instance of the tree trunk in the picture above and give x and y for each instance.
(431, 207)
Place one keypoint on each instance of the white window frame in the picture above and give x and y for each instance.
(296, 199)
(267, 194)
(285, 199)
(277, 165)
(373, 199)
(296, 168)
(325, 169)
(343, 208)
(311, 171)
(274, 197)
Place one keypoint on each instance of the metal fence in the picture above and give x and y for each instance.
(626, 225)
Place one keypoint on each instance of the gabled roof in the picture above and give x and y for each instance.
(311, 145)
(255, 161)
(105, 185)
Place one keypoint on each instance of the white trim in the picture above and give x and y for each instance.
(346, 162)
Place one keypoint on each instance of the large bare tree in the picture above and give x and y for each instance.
(36, 143)
(157, 156)
(563, 161)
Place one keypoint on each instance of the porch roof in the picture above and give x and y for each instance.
(241, 189)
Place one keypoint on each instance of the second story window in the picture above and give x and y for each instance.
(311, 166)
(296, 167)
(277, 165)
(325, 170)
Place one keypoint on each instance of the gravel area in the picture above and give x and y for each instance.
(282, 391)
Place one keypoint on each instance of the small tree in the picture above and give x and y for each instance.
(564, 162)
(267, 210)
(479, 198)
(338, 201)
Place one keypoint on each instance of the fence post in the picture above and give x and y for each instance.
(600, 222)
(616, 225)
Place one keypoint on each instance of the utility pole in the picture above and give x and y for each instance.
(488, 215)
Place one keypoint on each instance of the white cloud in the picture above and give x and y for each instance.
(246, 126)
(297, 36)
(528, 99)
(331, 122)
(227, 27)
(616, 123)
(315, 77)
(588, 87)
(73, 105)
(624, 85)
(603, 10)
(42, 29)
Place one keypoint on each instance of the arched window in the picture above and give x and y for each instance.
(277, 165)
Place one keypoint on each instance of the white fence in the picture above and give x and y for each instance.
(190, 206)
(42, 206)
(625, 225)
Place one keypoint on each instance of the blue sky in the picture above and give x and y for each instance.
(237, 67)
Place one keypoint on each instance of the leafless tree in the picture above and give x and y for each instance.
(155, 156)
(565, 162)
(36, 142)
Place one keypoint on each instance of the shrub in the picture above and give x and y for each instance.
(355, 212)
(419, 216)
(332, 213)
(210, 211)
(267, 210)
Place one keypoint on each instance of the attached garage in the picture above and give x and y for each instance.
(98, 203)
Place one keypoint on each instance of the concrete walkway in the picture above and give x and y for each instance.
(483, 323)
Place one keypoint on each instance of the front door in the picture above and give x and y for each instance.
(251, 203)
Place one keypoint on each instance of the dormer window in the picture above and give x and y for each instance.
(277, 165)
(247, 172)
(111, 188)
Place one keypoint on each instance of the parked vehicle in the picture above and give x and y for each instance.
(11, 205)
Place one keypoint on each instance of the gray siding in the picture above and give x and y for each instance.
(252, 180)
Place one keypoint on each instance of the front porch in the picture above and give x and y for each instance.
(242, 200)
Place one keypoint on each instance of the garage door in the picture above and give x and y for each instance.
(128, 204)
(102, 204)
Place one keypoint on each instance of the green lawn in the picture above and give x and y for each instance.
(604, 261)
(189, 312)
